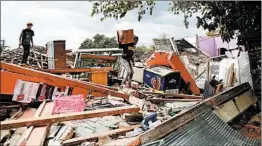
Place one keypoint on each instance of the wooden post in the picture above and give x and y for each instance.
(42, 64)
(231, 75)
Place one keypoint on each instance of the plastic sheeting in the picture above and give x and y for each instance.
(224, 69)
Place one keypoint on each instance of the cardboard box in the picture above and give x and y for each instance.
(125, 36)
(162, 78)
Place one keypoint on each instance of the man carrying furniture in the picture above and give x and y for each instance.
(127, 59)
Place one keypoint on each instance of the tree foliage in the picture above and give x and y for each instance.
(99, 41)
(233, 18)
(142, 49)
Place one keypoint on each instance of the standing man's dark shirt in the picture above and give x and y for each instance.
(27, 36)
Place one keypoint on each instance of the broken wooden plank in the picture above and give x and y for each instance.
(10, 106)
(186, 116)
(231, 93)
(77, 70)
(19, 131)
(38, 121)
(54, 131)
(35, 57)
(123, 142)
(68, 133)
(79, 140)
(30, 129)
(136, 101)
(186, 96)
(231, 75)
(172, 100)
(99, 57)
(37, 135)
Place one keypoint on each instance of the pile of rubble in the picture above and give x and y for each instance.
(37, 58)
(164, 105)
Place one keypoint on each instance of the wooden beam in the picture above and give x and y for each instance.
(185, 96)
(92, 50)
(172, 100)
(55, 79)
(186, 116)
(99, 57)
(10, 106)
(37, 61)
(29, 130)
(79, 140)
(77, 70)
(38, 134)
(38, 121)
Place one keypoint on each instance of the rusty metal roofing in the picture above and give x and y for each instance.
(206, 130)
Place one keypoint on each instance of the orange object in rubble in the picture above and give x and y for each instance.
(125, 36)
(172, 60)
(10, 73)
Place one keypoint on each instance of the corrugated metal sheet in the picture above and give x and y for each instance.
(244, 68)
(206, 130)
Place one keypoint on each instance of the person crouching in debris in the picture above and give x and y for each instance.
(25, 39)
(128, 61)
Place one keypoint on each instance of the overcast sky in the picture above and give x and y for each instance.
(71, 21)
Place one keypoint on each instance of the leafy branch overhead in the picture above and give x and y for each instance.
(118, 9)
(231, 18)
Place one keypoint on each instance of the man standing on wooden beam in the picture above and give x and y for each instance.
(26, 39)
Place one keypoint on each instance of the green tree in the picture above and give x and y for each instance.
(99, 41)
(142, 49)
(233, 18)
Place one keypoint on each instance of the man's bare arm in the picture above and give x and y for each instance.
(32, 41)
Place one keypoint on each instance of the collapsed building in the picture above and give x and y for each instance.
(180, 95)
